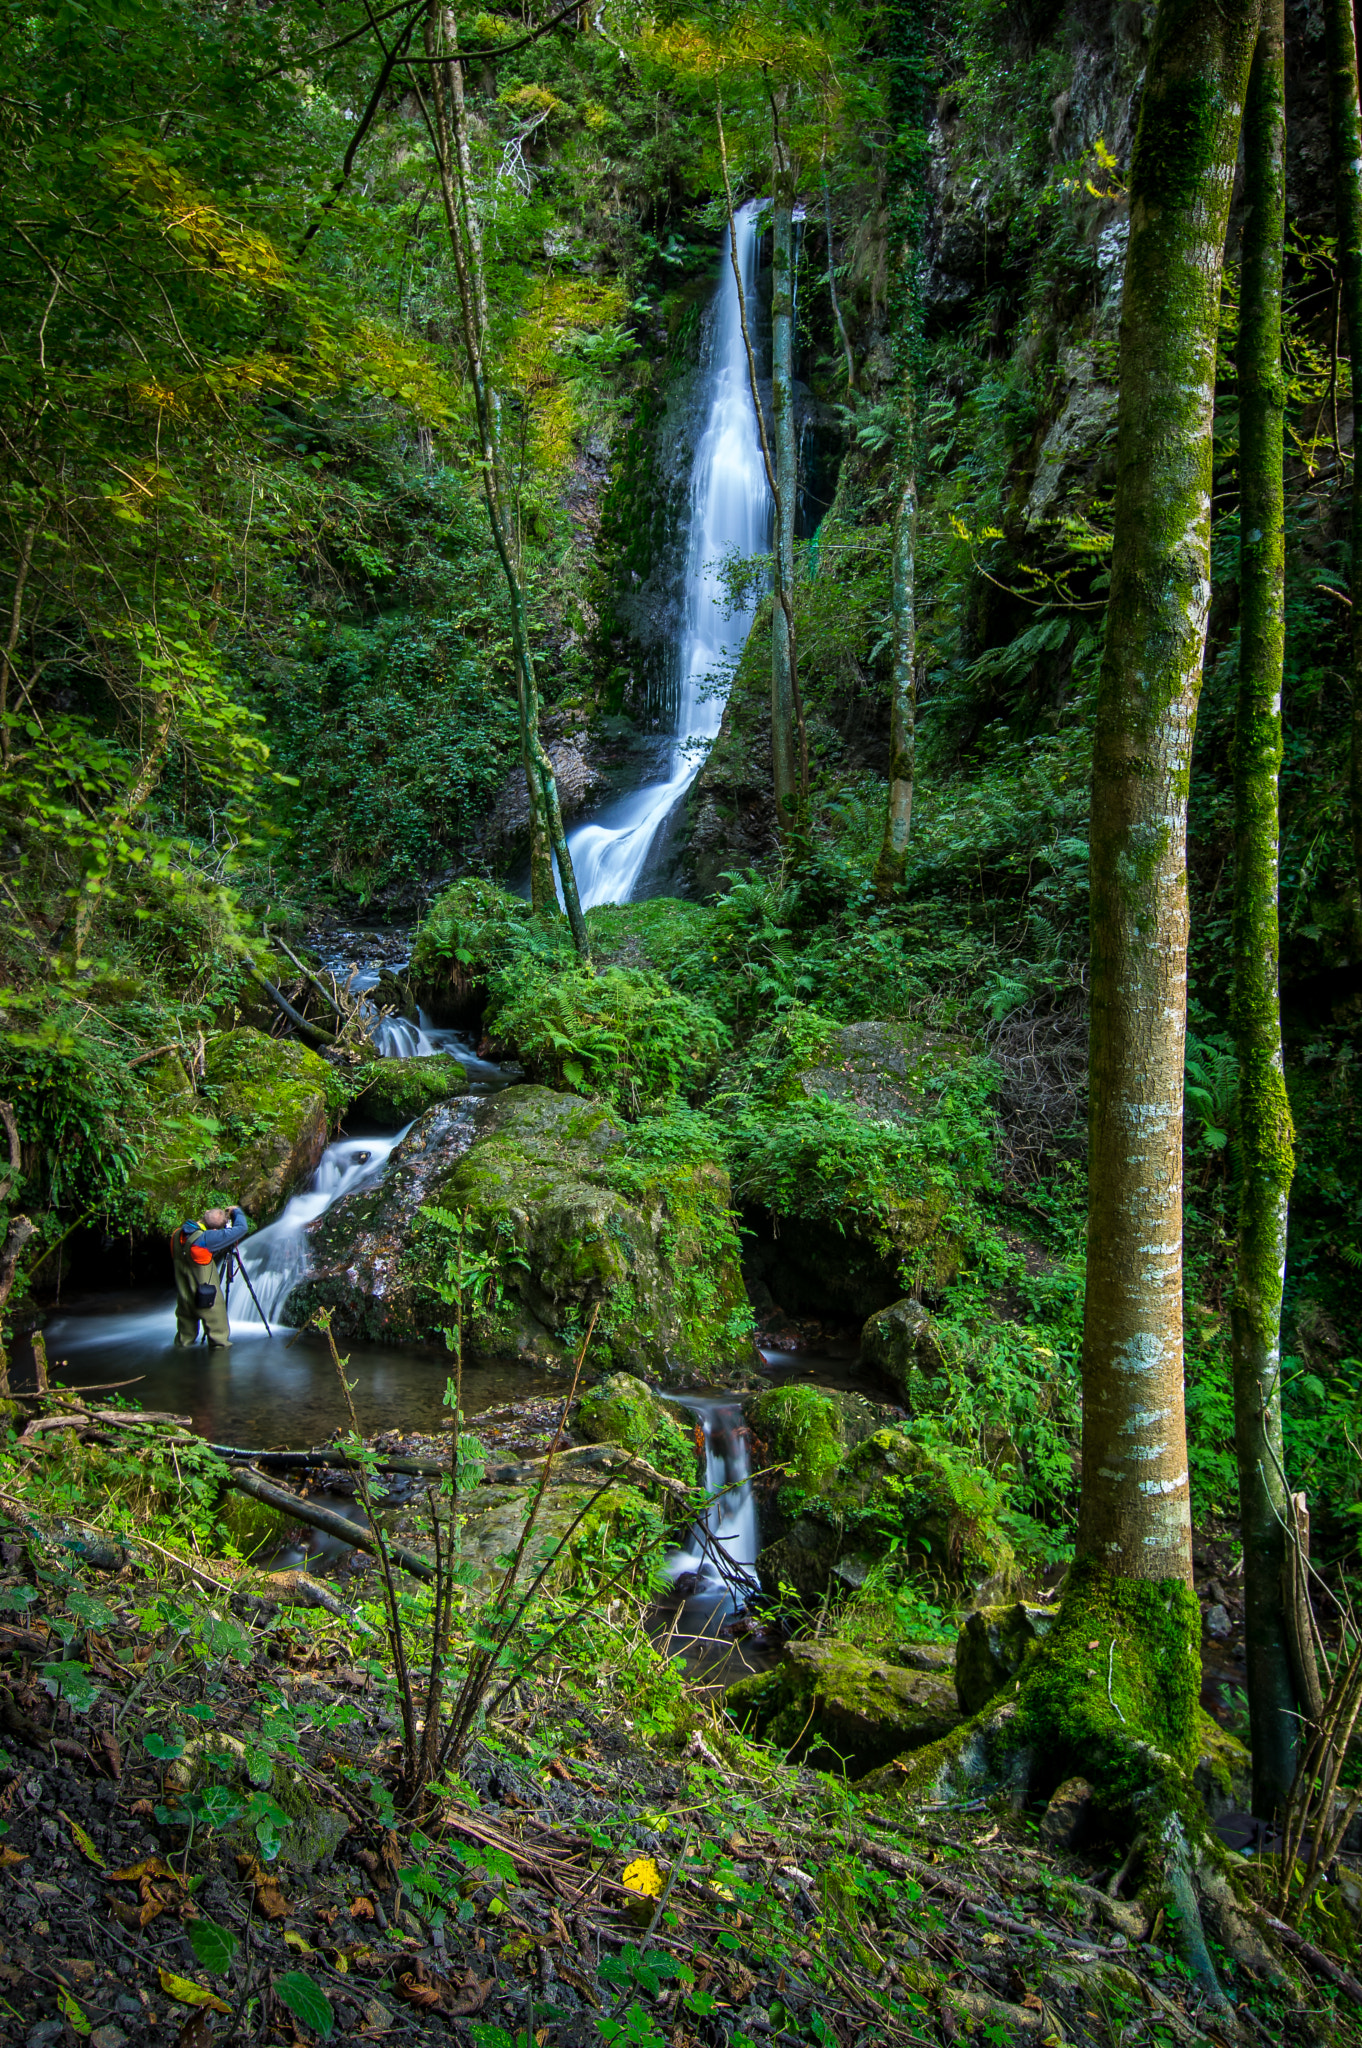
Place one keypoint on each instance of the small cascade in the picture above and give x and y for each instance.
(729, 1532)
(276, 1258)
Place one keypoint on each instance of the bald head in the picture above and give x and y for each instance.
(215, 1219)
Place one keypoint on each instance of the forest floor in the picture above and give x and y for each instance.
(612, 1862)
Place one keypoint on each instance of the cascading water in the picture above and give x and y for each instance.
(276, 1258)
(730, 514)
(730, 1525)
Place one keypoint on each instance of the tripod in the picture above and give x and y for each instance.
(231, 1263)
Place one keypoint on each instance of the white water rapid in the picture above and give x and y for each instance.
(730, 1525)
(730, 514)
(276, 1258)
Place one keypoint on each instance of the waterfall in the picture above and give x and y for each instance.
(730, 514)
(276, 1258)
(731, 1520)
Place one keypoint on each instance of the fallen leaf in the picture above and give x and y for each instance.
(186, 1992)
(76, 1968)
(196, 2032)
(71, 2011)
(560, 1770)
(9, 1857)
(424, 1996)
(268, 1895)
(1094, 1646)
(994, 1940)
(361, 1909)
(150, 1866)
(83, 1841)
(142, 1807)
(644, 1877)
(292, 1939)
(110, 1755)
(472, 1998)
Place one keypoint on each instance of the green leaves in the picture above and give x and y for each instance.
(70, 1681)
(214, 1946)
(306, 2001)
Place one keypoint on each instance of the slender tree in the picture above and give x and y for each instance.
(907, 155)
(448, 120)
(1264, 1112)
(1345, 122)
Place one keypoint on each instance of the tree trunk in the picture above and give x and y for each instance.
(785, 751)
(449, 133)
(1264, 1112)
(1134, 1516)
(907, 100)
(1345, 121)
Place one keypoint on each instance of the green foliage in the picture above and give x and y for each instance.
(622, 1034)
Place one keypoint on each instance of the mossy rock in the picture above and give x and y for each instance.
(833, 1705)
(623, 1411)
(801, 1428)
(1223, 1772)
(890, 1493)
(398, 1091)
(546, 1181)
(902, 1344)
(811, 1429)
(885, 1070)
(995, 1643)
(314, 1832)
(458, 942)
(253, 1134)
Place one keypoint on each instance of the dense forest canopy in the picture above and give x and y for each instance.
(362, 372)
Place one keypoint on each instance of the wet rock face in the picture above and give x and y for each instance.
(830, 1702)
(572, 1224)
(901, 1343)
(623, 1410)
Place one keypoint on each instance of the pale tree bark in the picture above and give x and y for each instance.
(1345, 123)
(1134, 1516)
(907, 101)
(788, 744)
(1265, 1132)
(449, 133)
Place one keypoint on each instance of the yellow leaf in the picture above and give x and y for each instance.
(186, 1992)
(340, 1961)
(643, 1875)
(292, 1939)
(72, 2012)
(83, 1841)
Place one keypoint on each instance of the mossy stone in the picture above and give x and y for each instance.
(800, 1428)
(831, 1704)
(995, 1643)
(253, 1134)
(623, 1410)
(398, 1091)
(902, 1343)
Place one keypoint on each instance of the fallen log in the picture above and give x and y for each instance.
(300, 1023)
(331, 1524)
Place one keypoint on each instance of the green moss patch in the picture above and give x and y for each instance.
(623, 1411)
(398, 1091)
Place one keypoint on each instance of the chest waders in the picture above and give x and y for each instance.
(199, 1296)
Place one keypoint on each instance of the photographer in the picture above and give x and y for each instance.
(196, 1248)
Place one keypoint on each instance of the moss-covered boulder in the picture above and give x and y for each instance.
(933, 1511)
(577, 1222)
(623, 1410)
(834, 1706)
(1223, 1772)
(809, 1430)
(995, 1643)
(398, 1091)
(903, 1345)
(843, 1202)
(469, 930)
(252, 1134)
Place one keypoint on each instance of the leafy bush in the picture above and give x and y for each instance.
(623, 1035)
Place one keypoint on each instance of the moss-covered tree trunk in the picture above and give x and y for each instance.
(785, 759)
(1345, 123)
(449, 132)
(1134, 1517)
(1264, 1112)
(908, 151)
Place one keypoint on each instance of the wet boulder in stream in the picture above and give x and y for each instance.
(547, 1183)
(396, 1091)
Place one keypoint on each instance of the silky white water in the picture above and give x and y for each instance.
(730, 515)
(731, 1519)
(276, 1258)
